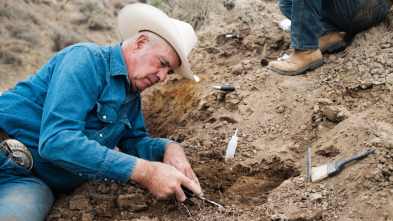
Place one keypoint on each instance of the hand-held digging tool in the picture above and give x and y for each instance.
(324, 171)
(190, 194)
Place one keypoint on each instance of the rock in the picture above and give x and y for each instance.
(87, 217)
(229, 4)
(335, 114)
(306, 214)
(324, 101)
(133, 202)
(79, 203)
(389, 81)
(103, 188)
(328, 151)
(375, 141)
(237, 69)
(280, 109)
(316, 197)
(103, 211)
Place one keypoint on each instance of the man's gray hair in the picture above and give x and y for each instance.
(153, 38)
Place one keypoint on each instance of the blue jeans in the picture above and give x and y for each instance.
(312, 18)
(23, 196)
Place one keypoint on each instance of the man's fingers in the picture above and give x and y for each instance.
(191, 185)
(190, 174)
(179, 193)
(165, 180)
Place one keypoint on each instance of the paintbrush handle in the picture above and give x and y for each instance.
(358, 156)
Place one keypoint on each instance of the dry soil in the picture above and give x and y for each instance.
(338, 110)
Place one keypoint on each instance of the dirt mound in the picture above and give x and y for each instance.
(339, 110)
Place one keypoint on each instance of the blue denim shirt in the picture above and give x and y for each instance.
(72, 114)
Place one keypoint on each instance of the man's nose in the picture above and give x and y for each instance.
(162, 74)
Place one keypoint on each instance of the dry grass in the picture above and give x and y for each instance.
(8, 58)
(62, 38)
(5, 10)
(22, 31)
(95, 15)
(194, 12)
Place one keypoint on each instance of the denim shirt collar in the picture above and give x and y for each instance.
(117, 63)
(118, 67)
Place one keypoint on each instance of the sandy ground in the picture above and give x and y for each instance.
(339, 110)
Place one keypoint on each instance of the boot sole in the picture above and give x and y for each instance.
(334, 48)
(316, 64)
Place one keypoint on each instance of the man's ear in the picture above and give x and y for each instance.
(140, 42)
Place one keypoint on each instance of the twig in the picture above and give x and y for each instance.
(189, 213)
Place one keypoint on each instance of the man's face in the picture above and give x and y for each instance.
(150, 65)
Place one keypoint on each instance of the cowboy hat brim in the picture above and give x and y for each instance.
(138, 17)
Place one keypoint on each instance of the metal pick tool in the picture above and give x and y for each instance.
(190, 194)
(308, 164)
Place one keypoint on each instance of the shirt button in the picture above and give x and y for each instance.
(80, 174)
(101, 135)
(104, 117)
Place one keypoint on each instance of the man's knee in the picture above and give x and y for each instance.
(25, 201)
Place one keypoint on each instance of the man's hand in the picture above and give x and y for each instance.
(163, 180)
(174, 155)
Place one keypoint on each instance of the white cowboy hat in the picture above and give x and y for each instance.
(138, 17)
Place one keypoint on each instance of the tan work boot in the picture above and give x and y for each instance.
(331, 42)
(298, 62)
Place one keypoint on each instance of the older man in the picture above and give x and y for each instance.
(315, 27)
(82, 104)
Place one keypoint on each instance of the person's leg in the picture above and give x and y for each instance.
(305, 24)
(350, 16)
(286, 8)
(22, 195)
(353, 16)
(331, 41)
(305, 30)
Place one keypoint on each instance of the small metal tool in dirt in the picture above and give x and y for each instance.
(308, 164)
(224, 88)
(233, 36)
(324, 171)
(190, 194)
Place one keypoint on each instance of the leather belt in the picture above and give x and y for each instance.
(3, 135)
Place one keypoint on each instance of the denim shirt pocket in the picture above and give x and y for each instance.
(107, 115)
(125, 121)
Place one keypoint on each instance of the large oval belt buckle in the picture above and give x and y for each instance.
(18, 152)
